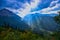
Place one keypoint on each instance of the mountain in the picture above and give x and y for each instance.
(39, 22)
(9, 18)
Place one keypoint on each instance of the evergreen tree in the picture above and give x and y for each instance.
(57, 19)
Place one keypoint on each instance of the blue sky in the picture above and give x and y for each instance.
(24, 7)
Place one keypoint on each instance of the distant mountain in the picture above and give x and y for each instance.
(9, 18)
(37, 22)
(41, 21)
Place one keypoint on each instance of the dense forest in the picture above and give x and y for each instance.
(8, 33)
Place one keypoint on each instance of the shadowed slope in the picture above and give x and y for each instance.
(9, 18)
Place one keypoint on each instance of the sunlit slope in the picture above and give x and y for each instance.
(41, 21)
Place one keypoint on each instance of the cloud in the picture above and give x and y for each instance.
(28, 7)
(14, 4)
(24, 7)
(53, 3)
(53, 8)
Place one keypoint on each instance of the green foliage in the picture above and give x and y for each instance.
(7, 33)
(57, 19)
(11, 34)
(57, 33)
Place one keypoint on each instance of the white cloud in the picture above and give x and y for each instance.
(13, 10)
(25, 7)
(34, 3)
(53, 3)
(53, 9)
(28, 7)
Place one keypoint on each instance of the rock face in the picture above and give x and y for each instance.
(9, 18)
(41, 21)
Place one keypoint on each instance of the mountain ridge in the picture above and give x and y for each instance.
(41, 21)
(12, 19)
(35, 22)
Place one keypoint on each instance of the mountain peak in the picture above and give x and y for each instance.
(4, 9)
(6, 12)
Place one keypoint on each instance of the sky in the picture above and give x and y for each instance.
(25, 7)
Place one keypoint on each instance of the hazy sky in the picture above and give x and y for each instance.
(24, 7)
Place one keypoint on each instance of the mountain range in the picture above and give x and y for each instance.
(41, 21)
(36, 22)
(9, 18)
